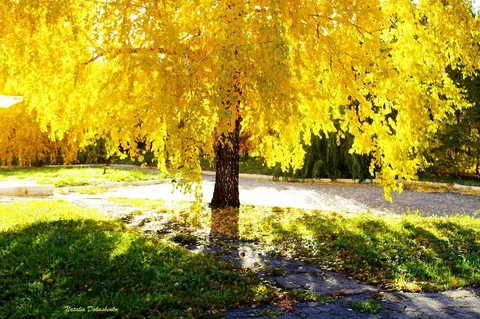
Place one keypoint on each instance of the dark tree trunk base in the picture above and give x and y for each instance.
(225, 193)
(226, 200)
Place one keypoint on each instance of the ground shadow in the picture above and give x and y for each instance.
(409, 254)
(49, 268)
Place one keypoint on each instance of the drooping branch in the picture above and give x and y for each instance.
(116, 52)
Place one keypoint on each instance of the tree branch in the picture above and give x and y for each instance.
(114, 53)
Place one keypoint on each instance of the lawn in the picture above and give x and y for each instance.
(56, 257)
(410, 252)
(74, 176)
(467, 181)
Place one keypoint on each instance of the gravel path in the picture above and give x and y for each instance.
(462, 303)
(358, 198)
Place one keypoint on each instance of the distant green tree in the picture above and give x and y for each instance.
(327, 158)
(457, 143)
(330, 157)
(94, 154)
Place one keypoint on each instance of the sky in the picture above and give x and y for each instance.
(476, 5)
(7, 101)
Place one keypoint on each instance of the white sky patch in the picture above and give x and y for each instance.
(9, 100)
(475, 4)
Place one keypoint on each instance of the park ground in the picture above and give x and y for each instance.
(123, 252)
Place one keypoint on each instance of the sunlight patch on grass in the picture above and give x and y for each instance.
(72, 256)
(397, 252)
(18, 215)
(183, 213)
(153, 204)
(91, 190)
(409, 252)
(61, 177)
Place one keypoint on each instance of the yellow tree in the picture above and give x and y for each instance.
(22, 140)
(187, 76)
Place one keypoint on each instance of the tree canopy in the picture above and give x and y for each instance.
(177, 75)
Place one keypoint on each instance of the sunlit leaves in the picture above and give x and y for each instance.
(172, 73)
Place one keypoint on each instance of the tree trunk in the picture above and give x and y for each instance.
(226, 193)
(226, 202)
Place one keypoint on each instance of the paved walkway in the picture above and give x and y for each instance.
(356, 198)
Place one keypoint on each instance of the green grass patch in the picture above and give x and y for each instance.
(309, 295)
(72, 176)
(54, 255)
(252, 165)
(369, 306)
(271, 313)
(92, 190)
(18, 215)
(248, 165)
(182, 213)
(468, 181)
(410, 252)
(153, 204)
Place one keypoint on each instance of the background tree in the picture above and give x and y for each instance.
(187, 76)
(330, 157)
(23, 143)
(456, 150)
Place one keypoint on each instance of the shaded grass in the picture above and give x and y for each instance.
(409, 253)
(468, 181)
(67, 176)
(248, 165)
(54, 255)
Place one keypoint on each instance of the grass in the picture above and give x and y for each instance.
(369, 306)
(410, 252)
(66, 176)
(151, 204)
(55, 256)
(272, 313)
(92, 190)
(309, 295)
(183, 213)
(468, 181)
(248, 165)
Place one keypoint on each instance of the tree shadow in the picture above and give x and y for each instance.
(225, 222)
(435, 254)
(69, 268)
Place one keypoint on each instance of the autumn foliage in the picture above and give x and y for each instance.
(22, 142)
(176, 74)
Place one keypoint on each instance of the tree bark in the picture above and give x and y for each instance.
(227, 155)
